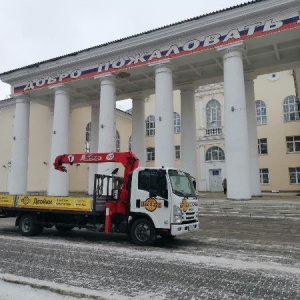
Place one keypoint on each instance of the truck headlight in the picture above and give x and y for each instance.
(177, 214)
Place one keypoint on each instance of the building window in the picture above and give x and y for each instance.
(261, 112)
(150, 126)
(150, 154)
(291, 109)
(215, 153)
(88, 130)
(264, 176)
(262, 146)
(117, 141)
(293, 144)
(294, 175)
(177, 152)
(213, 117)
(129, 144)
(177, 122)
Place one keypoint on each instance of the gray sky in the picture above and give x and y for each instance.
(36, 30)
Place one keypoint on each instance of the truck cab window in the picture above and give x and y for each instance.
(162, 188)
(144, 180)
(154, 181)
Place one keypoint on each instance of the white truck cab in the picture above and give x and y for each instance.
(166, 197)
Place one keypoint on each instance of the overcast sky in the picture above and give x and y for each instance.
(35, 30)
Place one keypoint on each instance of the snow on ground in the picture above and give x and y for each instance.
(17, 287)
(238, 263)
(12, 287)
(13, 291)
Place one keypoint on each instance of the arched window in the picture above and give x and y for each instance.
(291, 109)
(261, 112)
(177, 122)
(215, 153)
(213, 117)
(117, 141)
(88, 130)
(129, 144)
(150, 126)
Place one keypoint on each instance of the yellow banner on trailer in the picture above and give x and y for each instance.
(55, 203)
(6, 200)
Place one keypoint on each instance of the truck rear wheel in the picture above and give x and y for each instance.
(28, 226)
(143, 232)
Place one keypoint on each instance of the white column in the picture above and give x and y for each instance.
(236, 129)
(164, 119)
(20, 149)
(252, 132)
(188, 131)
(93, 145)
(107, 121)
(138, 137)
(202, 173)
(203, 179)
(58, 184)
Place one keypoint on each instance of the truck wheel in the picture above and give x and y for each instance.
(27, 225)
(61, 228)
(143, 232)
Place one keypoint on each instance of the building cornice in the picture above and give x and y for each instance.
(210, 89)
(8, 103)
(124, 115)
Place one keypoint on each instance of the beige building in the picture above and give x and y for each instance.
(278, 132)
(39, 144)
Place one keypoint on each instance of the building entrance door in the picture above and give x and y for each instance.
(215, 180)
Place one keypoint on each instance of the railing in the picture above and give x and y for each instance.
(213, 131)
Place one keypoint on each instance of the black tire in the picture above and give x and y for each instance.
(28, 226)
(142, 232)
(167, 236)
(62, 228)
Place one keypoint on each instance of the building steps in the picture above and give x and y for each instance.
(267, 206)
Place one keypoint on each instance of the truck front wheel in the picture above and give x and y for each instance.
(143, 232)
(28, 226)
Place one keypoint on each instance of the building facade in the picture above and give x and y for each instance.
(278, 136)
(233, 46)
(278, 133)
(39, 161)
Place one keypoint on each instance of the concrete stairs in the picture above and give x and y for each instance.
(268, 206)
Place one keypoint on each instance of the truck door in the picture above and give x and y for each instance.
(152, 196)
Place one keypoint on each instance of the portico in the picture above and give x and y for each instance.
(224, 46)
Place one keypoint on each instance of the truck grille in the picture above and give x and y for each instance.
(189, 217)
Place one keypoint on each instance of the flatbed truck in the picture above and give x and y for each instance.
(143, 203)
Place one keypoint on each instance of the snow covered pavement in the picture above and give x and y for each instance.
(228, 258)
(13, 291)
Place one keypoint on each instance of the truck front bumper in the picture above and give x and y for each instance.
(178, 229)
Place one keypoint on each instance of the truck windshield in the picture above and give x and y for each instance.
(182, 183)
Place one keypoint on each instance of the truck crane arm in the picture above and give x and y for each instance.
(128, 159)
